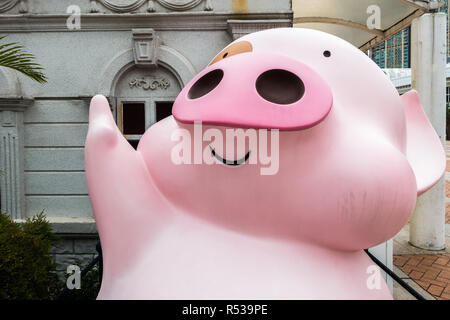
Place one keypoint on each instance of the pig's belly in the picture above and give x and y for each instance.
(204, 262)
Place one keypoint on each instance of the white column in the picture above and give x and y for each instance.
(428, 61)
(12, 200)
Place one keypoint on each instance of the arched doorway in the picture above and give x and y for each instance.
(142, 98)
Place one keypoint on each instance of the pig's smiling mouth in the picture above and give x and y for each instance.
(230, 162)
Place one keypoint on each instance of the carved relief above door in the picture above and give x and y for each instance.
(144, 97)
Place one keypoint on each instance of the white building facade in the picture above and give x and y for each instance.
(138, 53)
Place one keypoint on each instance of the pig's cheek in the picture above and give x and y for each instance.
(182, 184)
(366, 204)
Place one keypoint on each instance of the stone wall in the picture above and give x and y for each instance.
(77, 245)
(75, 250)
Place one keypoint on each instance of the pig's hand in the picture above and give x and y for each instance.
(103, 132)
(126, 205)
(425, 152)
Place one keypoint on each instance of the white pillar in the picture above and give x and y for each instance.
(12, 186)
(428, 62)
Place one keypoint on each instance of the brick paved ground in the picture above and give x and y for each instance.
(431, 271)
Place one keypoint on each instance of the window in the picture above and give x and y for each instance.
(448, 95)
(163, 110)
(134, 116)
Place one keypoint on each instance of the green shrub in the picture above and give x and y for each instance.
(27, 271)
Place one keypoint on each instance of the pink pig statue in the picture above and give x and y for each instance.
(353, 155)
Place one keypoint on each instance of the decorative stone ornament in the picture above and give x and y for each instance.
(123, 6)
(179, 5)
(353, 156)
(23, 6)
(208, 5)
(151, 6)
(6, 5)
(94, 6)
(145, 48)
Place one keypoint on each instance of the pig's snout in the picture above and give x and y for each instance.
(276, 85)
(256, 90)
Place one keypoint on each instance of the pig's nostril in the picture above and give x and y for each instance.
(280, 86)
(205, 84)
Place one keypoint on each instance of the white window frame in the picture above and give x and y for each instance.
(149, 109)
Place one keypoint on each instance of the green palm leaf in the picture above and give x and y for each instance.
(12, 56)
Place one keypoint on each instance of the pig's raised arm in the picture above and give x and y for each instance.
(126, 205)
(424, 149)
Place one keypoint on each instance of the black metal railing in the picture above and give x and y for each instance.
(399, 280)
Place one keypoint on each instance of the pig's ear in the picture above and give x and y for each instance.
(424, 149)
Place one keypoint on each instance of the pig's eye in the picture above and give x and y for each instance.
(327, 54)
